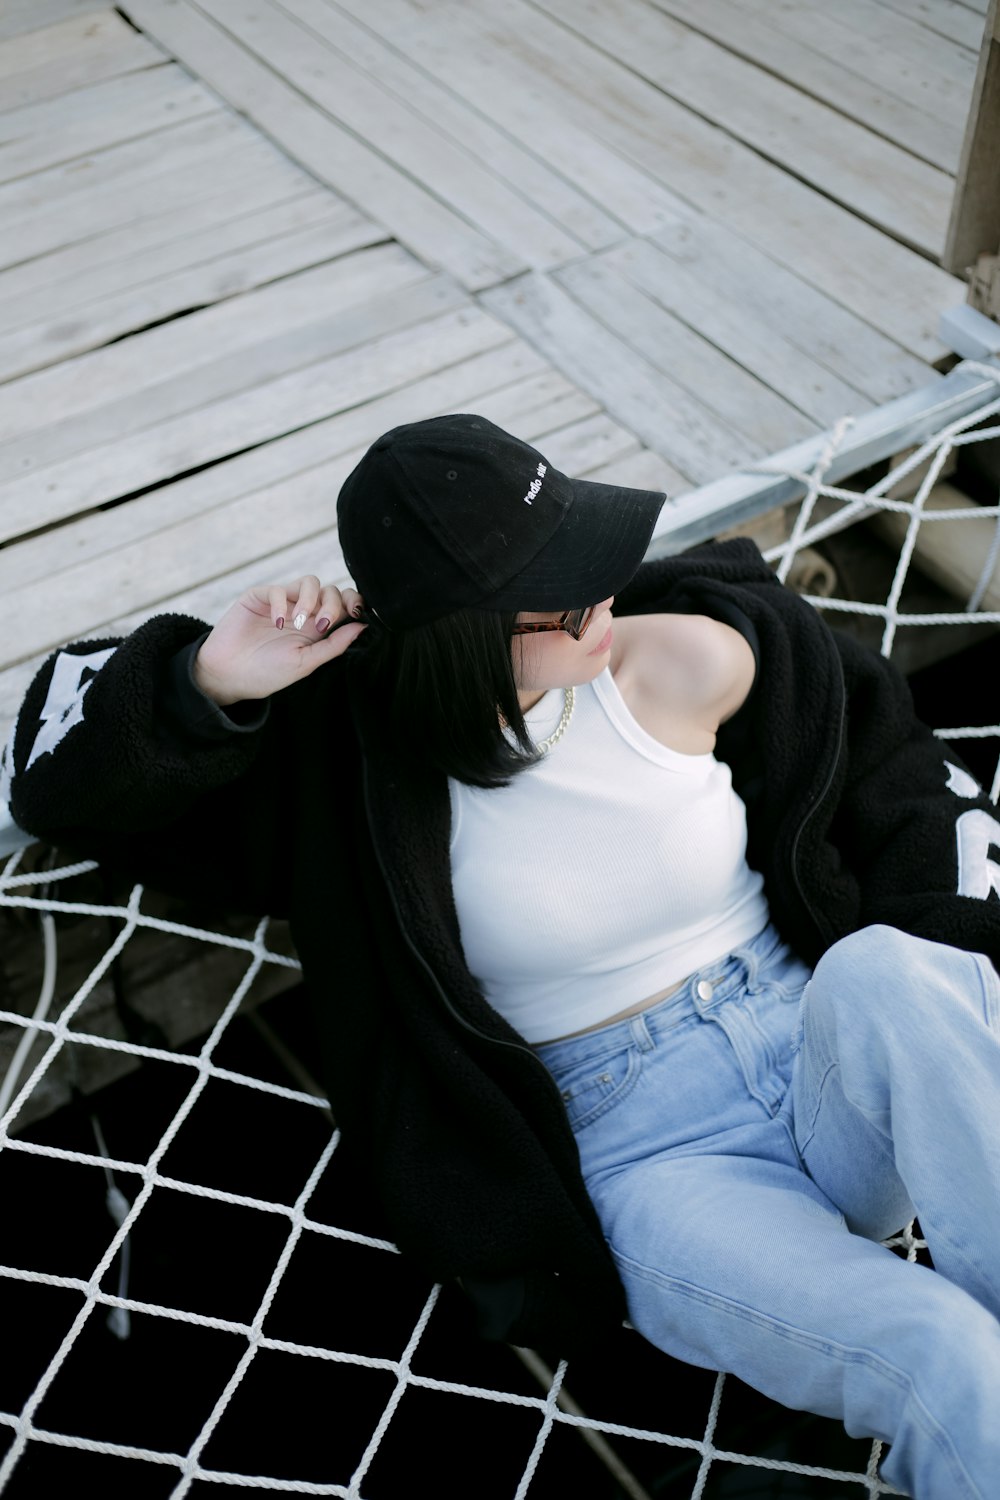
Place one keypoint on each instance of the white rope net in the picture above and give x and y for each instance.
(186, 1305)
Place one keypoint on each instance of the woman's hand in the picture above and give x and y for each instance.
(272, 636)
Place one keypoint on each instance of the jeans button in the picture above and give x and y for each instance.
(704, 990)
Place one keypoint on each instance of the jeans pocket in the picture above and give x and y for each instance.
(593, 1086)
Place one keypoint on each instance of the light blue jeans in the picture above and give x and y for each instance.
(749, 1140)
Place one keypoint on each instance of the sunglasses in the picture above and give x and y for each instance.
(573, 621)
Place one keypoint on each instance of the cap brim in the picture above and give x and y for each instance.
(592, 554)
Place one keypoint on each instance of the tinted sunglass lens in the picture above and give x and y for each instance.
(579, 619)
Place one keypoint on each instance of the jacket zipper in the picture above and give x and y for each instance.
(435, 981)
(820, 925)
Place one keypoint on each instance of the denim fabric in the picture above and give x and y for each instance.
(749, 1140)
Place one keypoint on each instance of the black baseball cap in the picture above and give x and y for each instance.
(454, 513)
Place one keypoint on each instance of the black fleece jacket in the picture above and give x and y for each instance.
(301, 808)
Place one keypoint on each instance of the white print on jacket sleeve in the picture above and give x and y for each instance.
(7, 769)
(961, 783)
(977, 833)
(64, 701)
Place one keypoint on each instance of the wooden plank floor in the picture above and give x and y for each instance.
(659, 238)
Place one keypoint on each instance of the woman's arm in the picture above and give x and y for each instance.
(120, 754)
(684, 675)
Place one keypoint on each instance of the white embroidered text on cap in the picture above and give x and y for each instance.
(535, 485)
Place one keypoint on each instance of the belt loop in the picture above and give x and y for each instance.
(641, 1035)
(750, 961)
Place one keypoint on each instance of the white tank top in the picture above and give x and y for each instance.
(610, 870)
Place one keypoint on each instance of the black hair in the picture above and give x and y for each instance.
(444, 686)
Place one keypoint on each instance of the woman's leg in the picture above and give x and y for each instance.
(741, 1264)
(896, 1095)
(734, 1259)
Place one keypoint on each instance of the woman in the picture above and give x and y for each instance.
(695, 860)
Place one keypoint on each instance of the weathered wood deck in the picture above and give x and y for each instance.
(660, 238)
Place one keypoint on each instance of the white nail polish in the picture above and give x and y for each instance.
(299, 621)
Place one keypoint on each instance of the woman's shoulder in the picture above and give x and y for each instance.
(690, 668)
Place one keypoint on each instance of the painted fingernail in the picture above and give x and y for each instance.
(323, 626)
(280, 622)
(299, 621)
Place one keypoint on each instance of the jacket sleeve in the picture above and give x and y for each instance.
(921, 834)
(117, 756)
